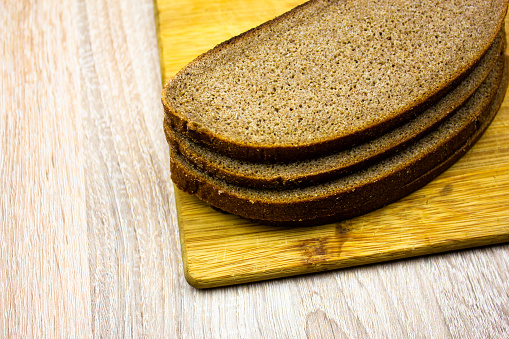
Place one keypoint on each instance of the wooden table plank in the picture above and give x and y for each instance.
(44, 268)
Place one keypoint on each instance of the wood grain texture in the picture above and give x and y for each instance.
(44, 269)
(468, 206)
(89, 243)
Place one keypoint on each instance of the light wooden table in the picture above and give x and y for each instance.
(88, 241)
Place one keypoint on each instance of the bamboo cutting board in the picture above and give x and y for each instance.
(465, 207)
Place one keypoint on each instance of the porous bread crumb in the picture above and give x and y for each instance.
(312, 171)
(331, 69)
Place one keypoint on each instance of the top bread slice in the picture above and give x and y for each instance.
(328, 75)
(312, 171)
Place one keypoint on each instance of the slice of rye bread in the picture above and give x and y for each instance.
(313, 171)
(328, 75)
(381, 181)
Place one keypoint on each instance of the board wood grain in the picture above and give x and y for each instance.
(467, 206)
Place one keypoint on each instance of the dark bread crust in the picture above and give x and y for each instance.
(287, 153)
(384, 183)
(314, 171)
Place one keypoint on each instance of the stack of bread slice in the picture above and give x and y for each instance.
(335, 108)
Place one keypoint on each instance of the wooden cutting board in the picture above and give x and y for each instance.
(465, 207)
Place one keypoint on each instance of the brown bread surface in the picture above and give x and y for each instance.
(272, 93)
(362, 191)
(316, 170)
